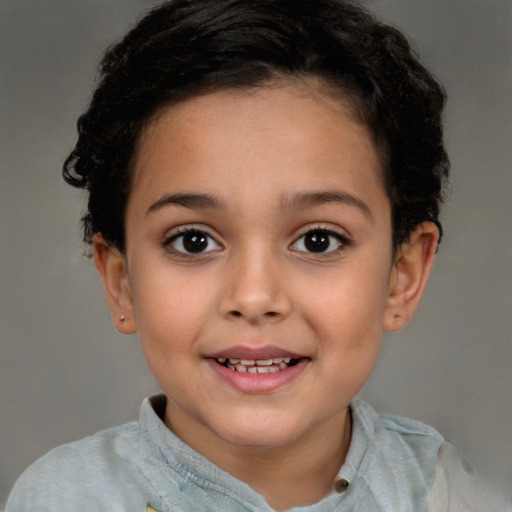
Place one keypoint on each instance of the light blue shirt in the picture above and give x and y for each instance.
(393, 464)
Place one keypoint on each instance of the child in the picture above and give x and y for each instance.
(264, 185)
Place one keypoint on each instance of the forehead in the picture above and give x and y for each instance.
(291, 136)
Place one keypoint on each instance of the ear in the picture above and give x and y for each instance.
(111, 265)
(409, 275)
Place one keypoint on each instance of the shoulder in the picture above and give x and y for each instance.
(405, 427)
(402, 439)
(409, 462)
(398, 458)
(409, 438)
(458, 487)
(94, 469)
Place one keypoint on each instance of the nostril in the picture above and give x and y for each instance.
(269, 314)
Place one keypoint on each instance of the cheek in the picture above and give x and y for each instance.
(346, 315)
(169, 309)
(170, 316)
(350, 302)
(349, 331)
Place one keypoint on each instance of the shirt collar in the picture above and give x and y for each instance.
(364, 419)
(191, 468)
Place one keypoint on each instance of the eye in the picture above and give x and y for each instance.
(192, 241)
(320, 241)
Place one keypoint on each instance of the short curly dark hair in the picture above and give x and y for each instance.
(185, 48)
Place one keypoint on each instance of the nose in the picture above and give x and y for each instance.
(255, 290)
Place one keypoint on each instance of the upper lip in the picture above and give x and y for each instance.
(249, 353)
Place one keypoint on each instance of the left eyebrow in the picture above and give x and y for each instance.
(194, 201)
(305, 200)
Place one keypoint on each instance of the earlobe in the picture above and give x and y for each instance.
(409, 275)
(111, 265)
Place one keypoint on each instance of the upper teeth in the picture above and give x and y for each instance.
(256, 365)
(257, 362)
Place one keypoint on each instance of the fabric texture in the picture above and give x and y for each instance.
(393, 464)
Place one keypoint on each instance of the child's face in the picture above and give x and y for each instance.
(258, 228)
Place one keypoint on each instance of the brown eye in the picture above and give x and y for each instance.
(319, 241)
(316, 241)
(193, 242)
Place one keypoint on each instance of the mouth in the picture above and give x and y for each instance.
(271, 365)
(265, 369)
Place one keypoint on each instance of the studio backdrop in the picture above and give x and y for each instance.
(65, 372)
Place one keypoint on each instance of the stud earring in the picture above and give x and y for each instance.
(122, 318)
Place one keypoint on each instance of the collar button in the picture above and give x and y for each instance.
(340, 485)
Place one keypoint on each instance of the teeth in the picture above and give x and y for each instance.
(264, 362)
(256, 365)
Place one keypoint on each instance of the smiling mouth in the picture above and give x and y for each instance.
(273, 365)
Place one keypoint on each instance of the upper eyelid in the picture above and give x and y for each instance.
(187, 228)
(174, 233)
(343, 238)
(339, 231)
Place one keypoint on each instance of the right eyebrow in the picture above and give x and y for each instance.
(315, 198)
(195, 201)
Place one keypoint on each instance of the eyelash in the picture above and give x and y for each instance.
(180, 235)
(323, 235)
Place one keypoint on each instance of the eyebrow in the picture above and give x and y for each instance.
(305, 200)
(300, 201)
(195, 201)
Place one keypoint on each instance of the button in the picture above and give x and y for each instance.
(340, 485)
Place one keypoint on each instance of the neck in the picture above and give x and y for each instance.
(300, 473)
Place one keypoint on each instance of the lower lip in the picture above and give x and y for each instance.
(255, 383)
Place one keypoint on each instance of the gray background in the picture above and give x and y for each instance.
(64, 371)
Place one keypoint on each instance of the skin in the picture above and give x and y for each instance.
(260, 154)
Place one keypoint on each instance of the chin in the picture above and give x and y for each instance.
(262, 435)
